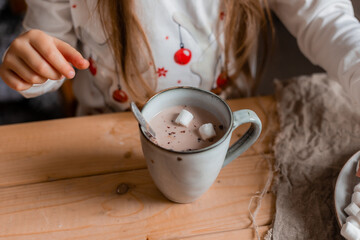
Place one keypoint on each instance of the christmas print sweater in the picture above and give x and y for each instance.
(186, 51)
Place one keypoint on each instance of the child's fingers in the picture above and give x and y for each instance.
(47, 49)
(18, 66)
(34, 60)
(71, 54)
(14, 81)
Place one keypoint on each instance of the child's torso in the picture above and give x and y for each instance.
(183, 40)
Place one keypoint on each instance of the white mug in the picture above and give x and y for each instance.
(184, 176)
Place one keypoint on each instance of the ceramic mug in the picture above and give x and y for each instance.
(184, 176)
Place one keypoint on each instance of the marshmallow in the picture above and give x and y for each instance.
(357, 188)
(354, 221)
(350, 232)
(184, 118)
(356, 198)
(207, 131)
(352, 209)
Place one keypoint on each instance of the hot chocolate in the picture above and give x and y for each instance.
(171, 134)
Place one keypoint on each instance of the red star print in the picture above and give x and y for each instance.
(178, 81)
(167, 37)
(74, 6)
(161, 72)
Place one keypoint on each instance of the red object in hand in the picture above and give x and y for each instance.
(120, 96)
(182, 56)
(92, 66)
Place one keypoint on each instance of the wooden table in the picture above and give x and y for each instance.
(86, 178)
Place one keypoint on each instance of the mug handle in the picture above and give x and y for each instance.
(248, 139)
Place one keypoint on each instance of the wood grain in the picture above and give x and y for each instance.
(84, 146)
(85, 178)
(90, 207)
(247, 233)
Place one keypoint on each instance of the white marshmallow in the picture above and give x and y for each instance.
(350, 232)
(356, 198)
(352, 209)
(354, 221)
(207, 131)
(357, 188)
(184, 118)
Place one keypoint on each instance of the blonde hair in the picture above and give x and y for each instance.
(132, 52)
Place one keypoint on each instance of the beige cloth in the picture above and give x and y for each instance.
(319, 131)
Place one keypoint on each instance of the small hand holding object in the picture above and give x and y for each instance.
(35, 57)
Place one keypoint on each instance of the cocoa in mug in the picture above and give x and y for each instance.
(184, 170)
(176, 137)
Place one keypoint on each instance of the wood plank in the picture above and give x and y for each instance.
(89, 207)
(247, 233)
(84, 146)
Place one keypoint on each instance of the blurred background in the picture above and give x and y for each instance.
(286, 61)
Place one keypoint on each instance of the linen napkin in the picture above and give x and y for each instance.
(319, 131)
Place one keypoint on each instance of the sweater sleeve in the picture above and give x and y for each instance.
(54, 18)
(328, 34)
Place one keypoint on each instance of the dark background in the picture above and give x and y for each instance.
(286, 61)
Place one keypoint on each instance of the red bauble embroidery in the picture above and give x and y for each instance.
(120, 96)
(92, 66)
(182, 56)
(222, 80)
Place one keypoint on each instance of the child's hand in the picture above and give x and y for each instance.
(34, 57)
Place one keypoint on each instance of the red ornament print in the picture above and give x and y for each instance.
(120, 96)
(92, 66)
(222, 80)
(182, 56)
(167, 37)
(161, 72)
(178, 81)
